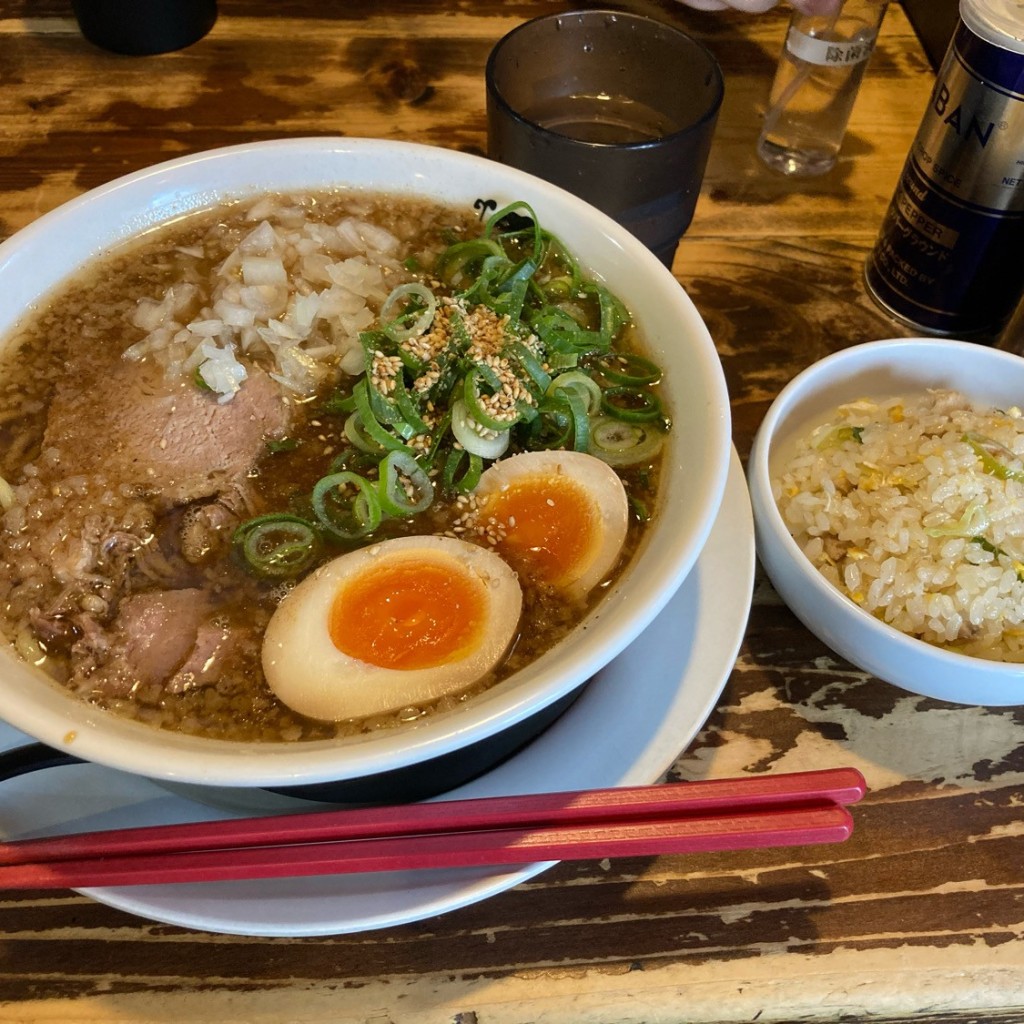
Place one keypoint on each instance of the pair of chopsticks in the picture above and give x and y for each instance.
(685, 817)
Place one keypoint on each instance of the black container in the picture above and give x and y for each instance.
(948, 259)
(141, 27)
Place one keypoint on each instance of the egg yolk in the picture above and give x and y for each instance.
(549, 523)
(409, 614)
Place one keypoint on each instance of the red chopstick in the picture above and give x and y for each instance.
(755, 811)
(831, 786)
(444, 850)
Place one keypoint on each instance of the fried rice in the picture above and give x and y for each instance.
(913, 507)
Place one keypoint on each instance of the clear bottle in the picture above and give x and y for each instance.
(816, 83)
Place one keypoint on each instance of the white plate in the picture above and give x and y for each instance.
(627, 728)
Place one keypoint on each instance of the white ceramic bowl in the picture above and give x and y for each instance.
(878, 369)
(696, 461)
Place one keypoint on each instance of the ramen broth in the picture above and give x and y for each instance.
(126, 474)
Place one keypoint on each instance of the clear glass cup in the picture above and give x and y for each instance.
(816, 84)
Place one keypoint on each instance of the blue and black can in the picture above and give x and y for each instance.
(949, 258)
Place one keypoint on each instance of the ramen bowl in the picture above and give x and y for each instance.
(877, 372)
(448, 747)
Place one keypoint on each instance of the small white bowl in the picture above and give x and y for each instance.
(695, 466)
(878, 369)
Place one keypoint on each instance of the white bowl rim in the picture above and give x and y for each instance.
(760, 481)
(128, 745)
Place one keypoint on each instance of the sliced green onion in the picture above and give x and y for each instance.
(455, 262)
(459, 331)
(368, 421)
(613, 313)
(438, 438)
(397, 469)
(455, 484)
(476, 408)
(567, 407)
(356, 460)
(487, 374)
(563, 360)
(278, 446)
(554, 425)
(356, 433)
(627, 368)
(580, 420)
(278, 545)
(640, 509)
(527, 411)
(474, 437)
(412, 363)
(510, 295)
(624, 444)
(413, 422)
(346, 505)
(839, 436)
(408, 325)
(491, 271)
(562, 334)
(989, 463)
(986, 545)
(631, 405)
(561, 286)
(519, 277)
(448, 372)
(199, 380)
(581, 384)
(383, 408)
(531, 365)
(534, 230)
(337, 404)
(973, 520)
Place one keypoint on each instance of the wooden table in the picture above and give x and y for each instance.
(920, 916)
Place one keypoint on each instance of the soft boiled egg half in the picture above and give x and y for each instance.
(394, 625)
(558, 517)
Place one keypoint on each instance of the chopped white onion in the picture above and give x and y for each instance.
(220, 370)
(261, 240)
(353, 360)
(206, 328)
(294, 289)
(264, 270)
(234, 314)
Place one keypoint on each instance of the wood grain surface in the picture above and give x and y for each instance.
(919, 917)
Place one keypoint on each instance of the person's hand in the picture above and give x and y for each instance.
(757, 6)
